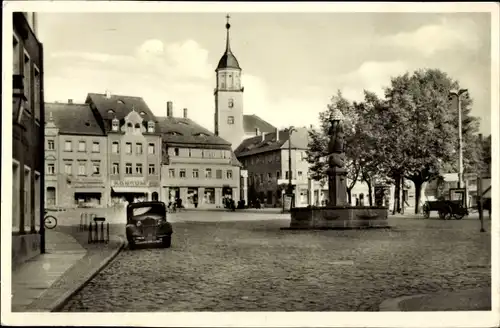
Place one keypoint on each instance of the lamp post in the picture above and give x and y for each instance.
(458, 94)
(290, 186)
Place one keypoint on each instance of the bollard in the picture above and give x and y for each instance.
(107, 228)
(90, 232)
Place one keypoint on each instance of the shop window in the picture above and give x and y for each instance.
(209, 196)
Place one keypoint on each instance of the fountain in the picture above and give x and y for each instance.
(338, 213)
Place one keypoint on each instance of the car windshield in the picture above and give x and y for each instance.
(159, 210)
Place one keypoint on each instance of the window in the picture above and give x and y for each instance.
(230, 120)
(27, 196)
(138, 169)
(68, 168)
(81, 168)
(171, 173)
(137, 128)
(151, 149)
(130, 128)
(115, 124)
(287, 174)
(68, 146)
(218, 174)
(128, 148)
(27, 79)
(96, 168)
(96, 147)
(82, 146)
(299, 174)
(208, 173)
(51, 169)
(152, 169)
(229, 174)
(189, 152)
(269, 176)
(36, 94)
(16, 196)
(138, 148)
(151, 127)
(15, 54)
(115, 168)
(176, 151)
(115, 149)
(182, 173)
(196, 173)
(128, 168)
(278, 175)
(230, 103)
(51, 145)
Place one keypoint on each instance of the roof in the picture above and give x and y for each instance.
(121, 106)
(228, 60)
(251, 122)
(182, 131)
(255, 145)
(73, 119)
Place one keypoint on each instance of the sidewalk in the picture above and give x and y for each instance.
(478, 299)
(45, 282)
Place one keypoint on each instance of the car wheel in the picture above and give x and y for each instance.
(131, 245)
(166, 241)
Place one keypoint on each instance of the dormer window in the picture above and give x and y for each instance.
(120, 102)
(151, 126)
(137, 127)
(111, 112)
(143, 113)
(173, 133)
(115, 125)
(129, 127)
(201, 134)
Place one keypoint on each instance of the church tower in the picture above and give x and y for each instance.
(229, 97)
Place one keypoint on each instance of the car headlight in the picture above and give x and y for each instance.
(138, 223)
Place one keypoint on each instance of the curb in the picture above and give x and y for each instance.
(392, 304)
(61, 301)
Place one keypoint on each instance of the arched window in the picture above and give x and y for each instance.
(176, 151)
(129, 127)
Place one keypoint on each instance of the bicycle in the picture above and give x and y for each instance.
(49, 221)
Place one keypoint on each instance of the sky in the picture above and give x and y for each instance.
(292, 62)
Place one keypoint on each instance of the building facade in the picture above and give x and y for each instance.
(133, 144)
(198, 167)
(27, 139)
(76, 157)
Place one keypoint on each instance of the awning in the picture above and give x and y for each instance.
(130, 190)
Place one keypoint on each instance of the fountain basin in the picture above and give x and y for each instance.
(339, 217)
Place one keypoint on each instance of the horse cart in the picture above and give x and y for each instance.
(446, 209)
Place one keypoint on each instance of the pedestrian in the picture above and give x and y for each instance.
(195, 200)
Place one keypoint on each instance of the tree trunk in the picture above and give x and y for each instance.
(370, 192)
(419, 194)
(397, 188)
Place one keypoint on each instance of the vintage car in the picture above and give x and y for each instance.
(147, 223)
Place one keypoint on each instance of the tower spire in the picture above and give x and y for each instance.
(228, 26)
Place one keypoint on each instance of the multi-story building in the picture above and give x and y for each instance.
(265, 157)
(27, 135)
(133, 143)
(198, 167)
(75, 157)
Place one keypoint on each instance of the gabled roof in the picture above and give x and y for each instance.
(121, 106)
(250, 122)
(255, 145)
(73, 119)
(184, 131)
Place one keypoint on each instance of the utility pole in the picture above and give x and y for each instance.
(290, 186)
(480, 186)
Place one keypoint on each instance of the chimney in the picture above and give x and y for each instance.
(70, 101)
(263, 136)
(170, 109)
(185, 110)
(108, 94)
(257, 131)
(277, 134)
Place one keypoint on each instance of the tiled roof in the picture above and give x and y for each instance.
(176, 130)
(250, 122)
(75, 119)
(121, 106)
(255, 145)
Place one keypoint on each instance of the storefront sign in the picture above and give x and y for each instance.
(130, 183)
(86, 183)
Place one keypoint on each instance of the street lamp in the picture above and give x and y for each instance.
(458, 94)
(290, 186)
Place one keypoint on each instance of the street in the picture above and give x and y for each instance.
(252, 265)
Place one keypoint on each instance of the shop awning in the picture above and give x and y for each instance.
(130, 190)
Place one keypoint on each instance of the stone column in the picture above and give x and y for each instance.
(244, 175)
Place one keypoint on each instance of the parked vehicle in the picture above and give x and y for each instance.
(147, 224)
(446, 209)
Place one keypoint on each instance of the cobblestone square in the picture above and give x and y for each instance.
(226, 265)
